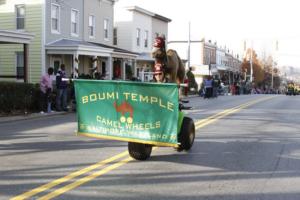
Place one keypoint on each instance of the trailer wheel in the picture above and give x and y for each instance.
(139, 151)
(187, 134)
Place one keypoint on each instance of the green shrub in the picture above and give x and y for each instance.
(18, 97)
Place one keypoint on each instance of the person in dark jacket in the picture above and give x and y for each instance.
(61, 86)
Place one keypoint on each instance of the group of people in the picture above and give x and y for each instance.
(47, 91)
(210, 87)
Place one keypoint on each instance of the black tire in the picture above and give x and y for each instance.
(186, 136)
(139, 151)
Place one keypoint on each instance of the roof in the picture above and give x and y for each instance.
(67, 42)
(162, 18)
(147, 12)
(116, 49)
(145, 57)
(141, 10)
(91, 45)
(13, 37)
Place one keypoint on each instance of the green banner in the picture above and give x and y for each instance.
(128, 111)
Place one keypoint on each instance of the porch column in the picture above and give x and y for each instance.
(110, 67)
(75, 65)
(94, 61)
(25, 57)
(94, 66)
(142, 74)
(123, 63)
(134, 67)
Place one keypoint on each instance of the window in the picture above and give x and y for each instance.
(115, 36)
(106, 25)
(20, 17)
(20, 64)
(138, 36)
(146, 39)
(92, 26)
(55, 13)
(74, 22)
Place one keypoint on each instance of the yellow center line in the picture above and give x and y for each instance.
(228, 110)
(217, 115)
(76, 183)
(86, 179)
(209, 120)
(68, 177)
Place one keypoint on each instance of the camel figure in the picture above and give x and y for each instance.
(123, 108)
(172, 67)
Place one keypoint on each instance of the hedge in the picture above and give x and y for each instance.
(18, 97)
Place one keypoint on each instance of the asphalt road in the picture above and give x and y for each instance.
(250, 150)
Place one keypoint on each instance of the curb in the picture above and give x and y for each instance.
(29, 116)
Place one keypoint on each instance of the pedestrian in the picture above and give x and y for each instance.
(61, 86)
(215, 86)
(208, 87)
(46, 91)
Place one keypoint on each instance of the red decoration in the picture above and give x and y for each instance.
(159, 42)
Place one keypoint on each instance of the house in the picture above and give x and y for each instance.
(77, 33)
(15, 25)
(202, 56)
(135, 30)
(206, 58)
(14, 37)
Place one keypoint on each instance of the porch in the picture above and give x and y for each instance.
(22, 38)
(91, 60)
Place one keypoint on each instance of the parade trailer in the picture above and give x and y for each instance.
(142, 114)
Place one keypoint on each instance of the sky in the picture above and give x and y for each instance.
(231, 22)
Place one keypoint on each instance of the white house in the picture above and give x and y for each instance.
(135, 29)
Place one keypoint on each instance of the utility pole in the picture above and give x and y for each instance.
(275, 63)
(251, 63)
(189, 47)
(251, 59)
(272, 83)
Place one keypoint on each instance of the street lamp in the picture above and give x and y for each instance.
(251, 63)
(251, 59)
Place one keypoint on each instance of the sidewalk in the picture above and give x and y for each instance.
(5, 119)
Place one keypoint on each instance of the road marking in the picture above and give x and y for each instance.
(83, 180)
(76, 183)
(211, 119)
(68, 177)
(86, 179)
